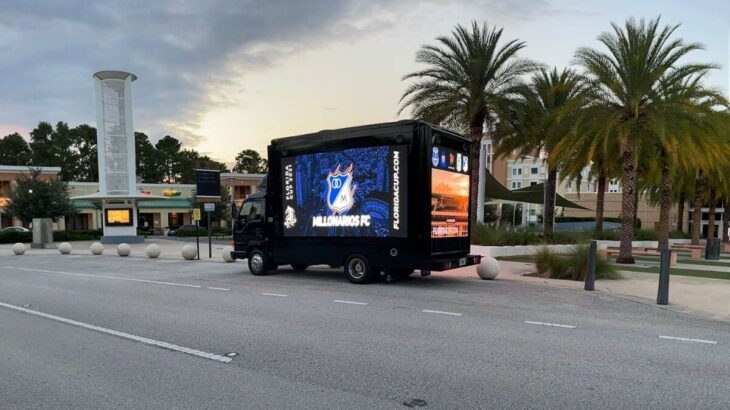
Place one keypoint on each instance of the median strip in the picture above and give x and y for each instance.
(550, 324)
(688, 340)
(128, 336)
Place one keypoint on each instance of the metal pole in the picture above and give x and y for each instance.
(210, 238)
(663, 293)
(591, 268)
(197, 239)
(482, 182)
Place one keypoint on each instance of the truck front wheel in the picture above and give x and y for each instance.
(358, 270)
(259, 262)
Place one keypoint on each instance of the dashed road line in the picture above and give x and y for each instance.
(349, 302)
(124, 335)
(281, 295)
(214, 288)
(686, 339)
(111, 277)
(550, 324)
(441, 312)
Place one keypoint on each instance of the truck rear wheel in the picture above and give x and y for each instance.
(358, 270)
(259, 262)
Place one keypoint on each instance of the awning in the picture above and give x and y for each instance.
(180, 203)
(533, 194)
(82, 204)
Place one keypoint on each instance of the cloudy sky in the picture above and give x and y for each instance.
(228, 75)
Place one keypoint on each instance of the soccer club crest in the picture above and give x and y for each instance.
(435, 157)
(340, 190)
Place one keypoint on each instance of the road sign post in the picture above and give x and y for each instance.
(209, 208)
(591, 268)
(196, 218)
(663, 292)
(208, 189)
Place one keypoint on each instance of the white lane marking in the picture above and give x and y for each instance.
(111, 277)
(275, 294)
(349, 302)
(549, 324)
(441, 312)
(686, 339)
(145, 340)
(214, 288)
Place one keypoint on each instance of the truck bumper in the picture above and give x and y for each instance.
(442, 264)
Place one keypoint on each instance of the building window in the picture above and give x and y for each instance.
(516, 171)
(533, 183)
(516, 184)
(5, 188)
(533, 170)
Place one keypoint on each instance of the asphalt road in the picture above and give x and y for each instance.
(109, 332)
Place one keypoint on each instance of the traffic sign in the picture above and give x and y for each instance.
(209, 207)
(196, 214)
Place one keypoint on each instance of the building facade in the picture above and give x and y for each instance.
(156, 216)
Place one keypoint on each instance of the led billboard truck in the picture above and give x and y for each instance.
(385, 198)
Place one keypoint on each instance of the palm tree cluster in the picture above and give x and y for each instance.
(632, 110)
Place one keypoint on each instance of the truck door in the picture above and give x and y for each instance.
(250, 222)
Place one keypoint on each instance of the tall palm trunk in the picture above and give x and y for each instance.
(628, 205)
(680, 214)
(665, 207)
(475, 132)
(711, 216)
(637, 223)
(550, 188)
(600, 199)
(697, 213)
(725, 221)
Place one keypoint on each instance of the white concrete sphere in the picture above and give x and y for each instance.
(227, 254)
(489, 268)
(18, 248)
(189, 252)
(64, 248)
(97, 248)
(123, 249)
(153, 250)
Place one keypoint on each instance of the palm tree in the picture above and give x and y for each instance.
(540, 117)
(626, 86)
(469, 76)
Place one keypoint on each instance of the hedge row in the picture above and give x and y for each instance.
(58, 236)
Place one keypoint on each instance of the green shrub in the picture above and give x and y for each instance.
(679, 235)
(68, 236)
(610, 235)
(585, 219)
(645, 235)
(571, 266)
(14, 237)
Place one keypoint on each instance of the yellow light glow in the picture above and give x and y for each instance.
(118, 216)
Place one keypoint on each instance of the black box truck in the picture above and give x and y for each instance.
(388, 198)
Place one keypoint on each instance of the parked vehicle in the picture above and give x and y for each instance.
(188, 229)
(388, 198)
(14, 229)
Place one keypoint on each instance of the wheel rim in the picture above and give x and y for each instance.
(257, 262)
(356, 268)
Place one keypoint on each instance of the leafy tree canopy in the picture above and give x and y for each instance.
(32, 197)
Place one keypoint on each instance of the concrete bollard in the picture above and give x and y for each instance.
(189, 252)
(124, 249)
(227, 256)
(488, 269)
(18, 248)
(662, 297)
(97, 248)
(65, 248)
(153, 250)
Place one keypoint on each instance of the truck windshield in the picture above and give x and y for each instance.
(252, 210)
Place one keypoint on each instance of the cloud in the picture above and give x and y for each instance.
(188, 55)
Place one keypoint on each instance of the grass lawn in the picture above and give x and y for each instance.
(676, 271)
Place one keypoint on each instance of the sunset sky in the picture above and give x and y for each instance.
(228, 75)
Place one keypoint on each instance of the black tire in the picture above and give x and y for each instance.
(299, 266)
(259, 262)
(358, 270)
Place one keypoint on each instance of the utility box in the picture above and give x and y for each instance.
(43, 234)
(712, 249)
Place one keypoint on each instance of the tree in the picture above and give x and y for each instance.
(168, 149)
(40, 144)
(249, 161)
(149, 163)
(468, 79)
(84, 145)
(14, 150)
(31, 197)
(625, 87)
(543, 114)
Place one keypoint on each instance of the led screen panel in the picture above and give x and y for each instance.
(118, 217)
(449, 193)
(358, 192)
